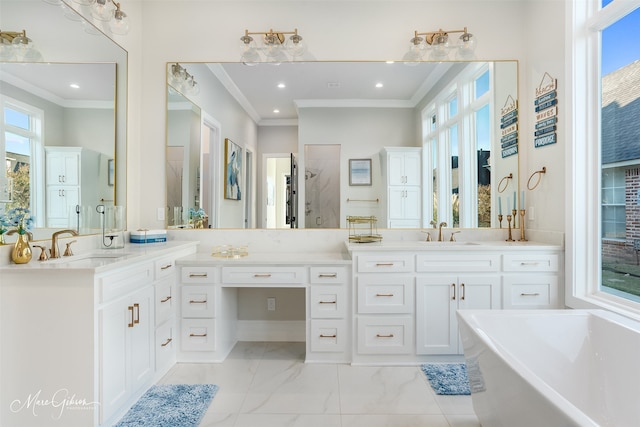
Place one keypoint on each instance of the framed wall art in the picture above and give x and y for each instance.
(359, 171)
(232, 170)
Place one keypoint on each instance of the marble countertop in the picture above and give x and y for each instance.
(268, 258)
(473, 246)
(102, 260)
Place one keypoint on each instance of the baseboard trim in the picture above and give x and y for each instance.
(272, 330)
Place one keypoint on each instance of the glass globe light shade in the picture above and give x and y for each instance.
(120, 23)
(24, 50)
(440, 47)
(84, 2)
(7, 50)
(466, 46)
(248, 52)
(295, 46)
(103, 10)
(416, 51)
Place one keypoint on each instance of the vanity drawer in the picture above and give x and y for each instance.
(199, 274)
(328, 274)
(531, 292)
(387, 263)
(117, 284)
(263, 275)
(455, 263)
(198, 301)
(198, 335)
(387, 335)
(165, 303)
(165, 267)
(393, 294)
(165, 345)
(328, 301)
(328, 335)
(530, 262)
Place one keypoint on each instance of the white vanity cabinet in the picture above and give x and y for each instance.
(89, 333)
(531, 280)
(401, 168)
(72, 178)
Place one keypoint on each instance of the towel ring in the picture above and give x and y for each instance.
(539, 174)
(506, 182)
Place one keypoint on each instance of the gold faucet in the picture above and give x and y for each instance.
(55, 250)
(442, 224)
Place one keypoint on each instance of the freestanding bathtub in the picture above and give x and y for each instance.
(552, 368)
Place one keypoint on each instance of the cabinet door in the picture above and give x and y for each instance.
(114, 332)
(436, 324)
(63, 168)
(412, 162)
(477, 292)
(59, 200)
(396, 203)
(141, 337)
(412, 203)
(395, 162)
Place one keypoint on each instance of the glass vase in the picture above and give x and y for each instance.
(21, 253)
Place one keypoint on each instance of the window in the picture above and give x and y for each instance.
(20, 143)
(457, 139)
(603, 259)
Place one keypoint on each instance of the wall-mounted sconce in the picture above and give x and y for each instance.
(16, 46)
(108, 11)
(273, 48)
(182, 81)
(436, 44)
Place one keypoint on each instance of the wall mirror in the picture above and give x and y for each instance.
(452, 111)
(86, 122)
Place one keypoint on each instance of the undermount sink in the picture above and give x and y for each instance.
(449, 243)
(91, 260)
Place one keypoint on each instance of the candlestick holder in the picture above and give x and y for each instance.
(509, 238)
(514, 215)
(522, 236)
(500, 220)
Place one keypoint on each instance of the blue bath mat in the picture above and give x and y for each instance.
(170, 405)
(447, 378)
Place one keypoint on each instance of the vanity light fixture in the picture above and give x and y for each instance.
(437, 45)
(15, 46)
(273, 48)
(182, 81)
(108, 11)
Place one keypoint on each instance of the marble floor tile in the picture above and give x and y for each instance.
(268, 384)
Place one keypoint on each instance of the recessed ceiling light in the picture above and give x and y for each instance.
(379, 85)
(74, 86)
(276, 111)
(281, 85)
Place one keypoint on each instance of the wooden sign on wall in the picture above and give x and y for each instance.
(546, 110)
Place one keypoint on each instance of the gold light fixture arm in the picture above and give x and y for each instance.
(10, 35)
(431, 35)
(272, 35)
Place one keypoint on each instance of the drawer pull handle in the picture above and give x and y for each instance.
(262, 275)
(136, 306)
(530, 263)
(328, 275)
(328, 336)
(453, 285)
(130, 324)
(164, 267)
(327, 302)
(166, 299)
(463, 292)
(384, 264)
(166, 343)
(197, 274)
(384, 295)
(384, 336)
(197, 302)
(198, 335)
(532, 294)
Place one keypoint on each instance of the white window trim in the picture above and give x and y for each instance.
(583, 227)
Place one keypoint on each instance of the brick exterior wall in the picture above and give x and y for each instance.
(617, 251)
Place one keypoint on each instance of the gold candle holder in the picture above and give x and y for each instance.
(500, 220)
(522, 237)
(509, 238)
(514, 215)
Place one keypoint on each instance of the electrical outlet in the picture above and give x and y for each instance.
(271, 304)
(531, 213)
(160, 214)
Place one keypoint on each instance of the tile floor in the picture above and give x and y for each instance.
(268, 384)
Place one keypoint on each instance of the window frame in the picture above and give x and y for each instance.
(583, 213)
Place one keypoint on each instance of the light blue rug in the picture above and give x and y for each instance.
(170, 405)
(447, 378)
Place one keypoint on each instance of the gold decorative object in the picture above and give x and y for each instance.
(363, 229)
(509, 238)
(522, 236)
(21, 253)
(536, 173)
(226, 251)
(504, 182)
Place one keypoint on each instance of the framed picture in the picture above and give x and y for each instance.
(359, 171)
(232, 170)
(111, 172)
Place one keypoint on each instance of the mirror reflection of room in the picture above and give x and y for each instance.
(448, 112)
